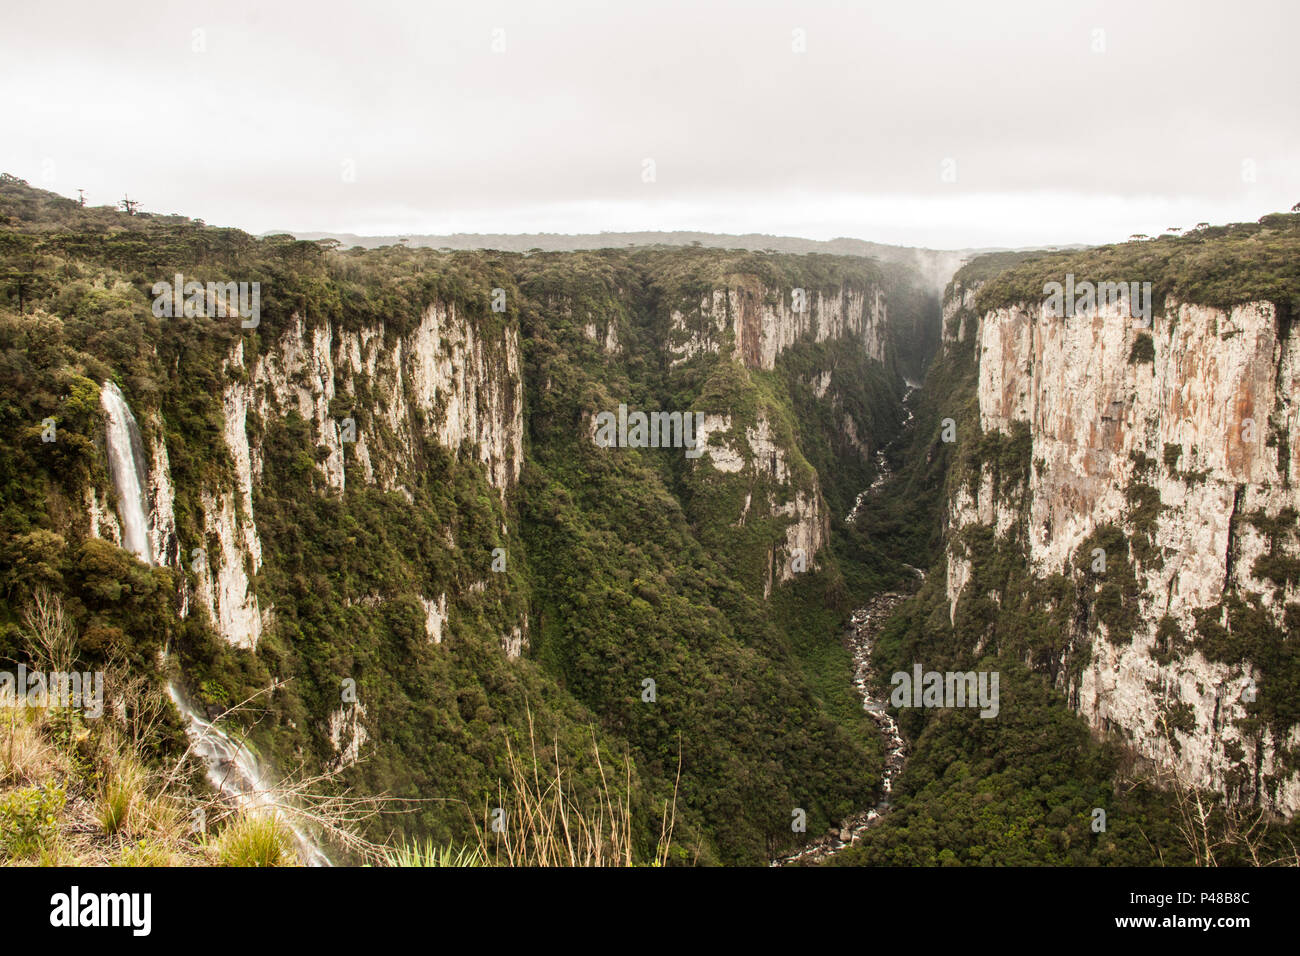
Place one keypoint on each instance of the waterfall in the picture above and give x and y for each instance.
(127, 467)
(234, 770)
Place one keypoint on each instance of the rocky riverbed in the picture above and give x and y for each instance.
(864, 626)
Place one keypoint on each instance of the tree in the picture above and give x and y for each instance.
(128, 205)
(27, 285)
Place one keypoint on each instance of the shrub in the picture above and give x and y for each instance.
(1143, 350)
(29, 819)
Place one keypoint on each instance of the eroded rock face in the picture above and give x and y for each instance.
(441, 381)
(471, 397)
(162, 504)
(435, 616)
(225, 573)
(441, 378)
(960, 299)
(1204, 413)
(764, 322)
(731, 452)
(516, 642)
(225, 583)
(347, 733)
(102, 520)
(757, 323)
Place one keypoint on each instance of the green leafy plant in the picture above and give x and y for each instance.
(29, 818)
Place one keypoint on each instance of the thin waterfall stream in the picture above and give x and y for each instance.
(233, 768)
(126, 466)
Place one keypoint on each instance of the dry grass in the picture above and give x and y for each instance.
(115, 808)
(26, 756)
(545, 824)
(109, 807)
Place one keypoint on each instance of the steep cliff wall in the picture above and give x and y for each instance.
(442, 379)
(761, 460)
(761, 321)
(366, 395)
(829, 333)
(1177, 447)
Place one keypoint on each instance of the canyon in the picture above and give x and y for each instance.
(385, 513)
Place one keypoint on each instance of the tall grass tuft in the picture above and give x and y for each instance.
(254, 839)
(430, 854)
(547, 825)
(124, 792)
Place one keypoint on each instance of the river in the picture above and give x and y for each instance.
(864, 627)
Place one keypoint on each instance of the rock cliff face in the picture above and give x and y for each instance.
(347, 734)
(442, 380)
(1186, 438)
(751, 462)
(960, 321)
(763, 321)
(367, 393)
(754, 323)
(755, 455)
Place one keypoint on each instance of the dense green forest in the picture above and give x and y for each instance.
(627, 566)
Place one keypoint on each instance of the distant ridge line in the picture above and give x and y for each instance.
(570, 242)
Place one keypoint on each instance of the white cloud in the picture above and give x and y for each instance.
(1051, 142)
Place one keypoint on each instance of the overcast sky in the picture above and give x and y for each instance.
(946, 124)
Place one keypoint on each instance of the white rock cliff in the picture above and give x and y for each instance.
(1211, 423)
